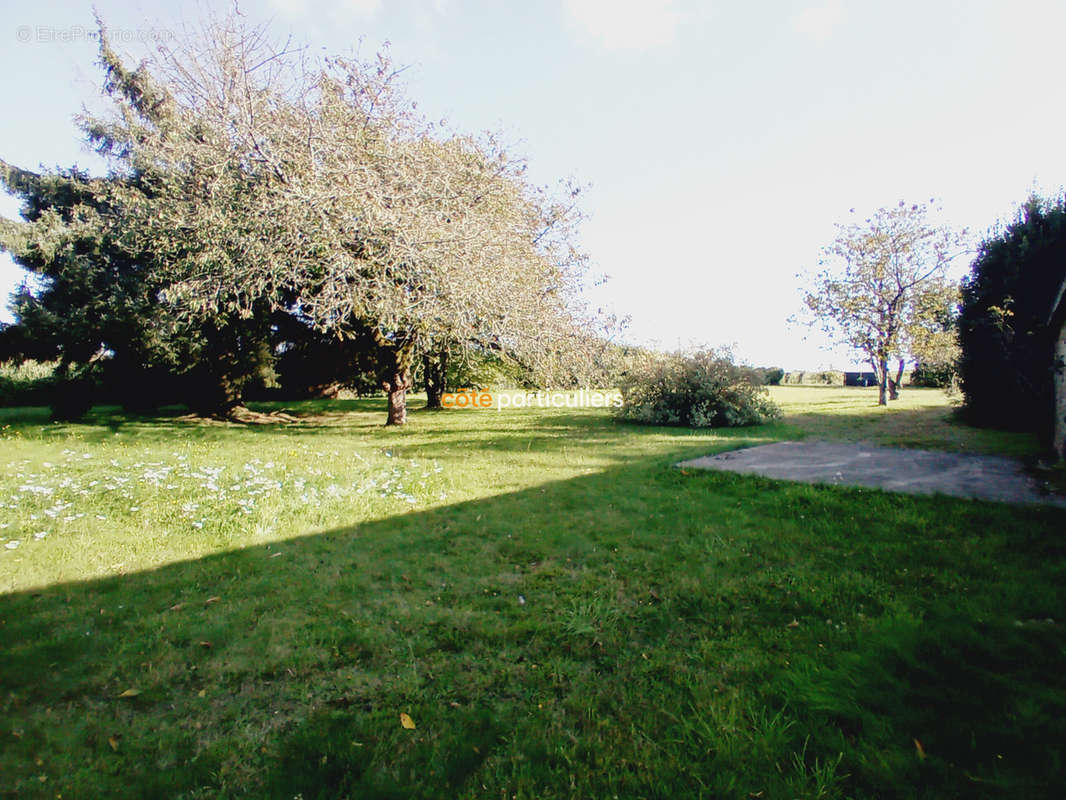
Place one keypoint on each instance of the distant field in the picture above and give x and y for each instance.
(202, 610)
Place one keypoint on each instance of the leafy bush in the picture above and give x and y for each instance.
(31, 383)
(703, 390)
(935, 375)
(772, 376)
(1007, 362)
(824, 378)
(37, 383)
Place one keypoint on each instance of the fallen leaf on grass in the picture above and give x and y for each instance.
(130, 693)
(177, 607)
(211, 600)
(406, 721)
(113, 741)
(921, 750)
(206, 645)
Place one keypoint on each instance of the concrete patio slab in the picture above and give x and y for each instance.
(890, 468)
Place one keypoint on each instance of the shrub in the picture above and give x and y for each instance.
(935, 375)
(1008, 360)
(772, 375)
(824, 378)
(31, 383)
(703, 390)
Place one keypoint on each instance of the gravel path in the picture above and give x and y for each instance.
(890, 468)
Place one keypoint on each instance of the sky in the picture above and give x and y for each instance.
(720, 141)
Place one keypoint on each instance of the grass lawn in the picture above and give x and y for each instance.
(920, 418)
(203, 610)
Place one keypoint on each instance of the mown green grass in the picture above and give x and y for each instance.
(920, 418)
(561, 611)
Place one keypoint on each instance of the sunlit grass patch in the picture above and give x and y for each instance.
(130, 503)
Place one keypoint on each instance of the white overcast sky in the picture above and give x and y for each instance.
(722, 140)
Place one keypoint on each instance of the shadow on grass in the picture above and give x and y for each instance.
(165, 422)
(920, 428)
(849, 416)
(435, 434)
(636, 632)
(972, 695)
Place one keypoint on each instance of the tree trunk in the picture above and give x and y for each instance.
(236, 355)
(398, 382)
(434, 370)
(893, 385)
(397, 387)
(228, 395)
(881, 372)
(215, 394)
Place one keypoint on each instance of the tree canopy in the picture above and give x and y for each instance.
(278, 183)
(884, 290)
(248, 180)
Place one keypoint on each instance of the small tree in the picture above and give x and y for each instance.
(931, 336)
(886, 280)
(771, 375)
